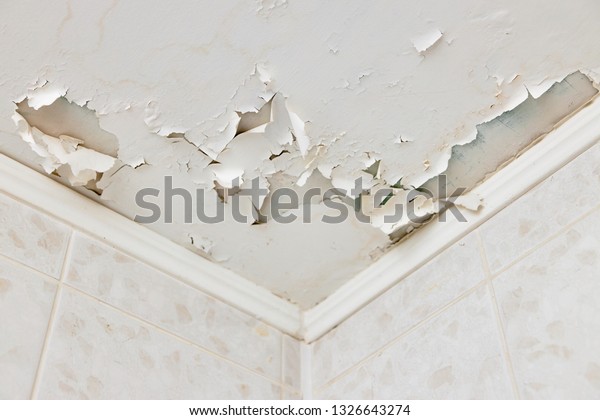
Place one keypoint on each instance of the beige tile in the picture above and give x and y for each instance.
(290, 395)
(550, 305)
(25, 305)
(31, 238)
(292, 362)
(98, 352)
(537, 215)
(136, 288)
(456, 355)
(444, 278)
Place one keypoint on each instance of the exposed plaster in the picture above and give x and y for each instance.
(64, 155)
(298, 94)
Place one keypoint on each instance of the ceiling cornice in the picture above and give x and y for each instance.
(573, 137)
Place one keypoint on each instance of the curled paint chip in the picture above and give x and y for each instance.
(64, 152)
(469, 201)
(43, 94)
(251, 153)
(427, 40)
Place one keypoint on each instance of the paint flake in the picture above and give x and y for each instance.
(426, 40)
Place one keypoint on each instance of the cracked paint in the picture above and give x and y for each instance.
(65, 155)
(298, 94)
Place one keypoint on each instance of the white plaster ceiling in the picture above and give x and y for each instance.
(114, 96)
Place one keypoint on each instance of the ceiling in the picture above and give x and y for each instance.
(112, 97)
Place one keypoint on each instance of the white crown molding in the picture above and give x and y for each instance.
(565, 143)
(85, 215)
(558, 148)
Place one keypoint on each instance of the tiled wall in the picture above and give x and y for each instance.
(510, 311)
(79, 319)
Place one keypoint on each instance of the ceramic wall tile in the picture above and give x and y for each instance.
(128, 284)
(550, 307)
(456, 270)
(98, 352)
(32, 238)
(288, 394)
(292, 363)
(456, 355)
(537, 215)
(26, 301)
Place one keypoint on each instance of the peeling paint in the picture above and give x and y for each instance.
(426, 40)
(297, 94)
(65, 155)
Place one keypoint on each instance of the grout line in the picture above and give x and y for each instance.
(500, 325)
(516, 261)
(434, 314)
(60, 283)
(504, 341)
(43, 355)
(488, 279)
(278, 305)
(173, 334)
(483, 255)
(171, 277)
(42, 211)
(55, 218)
(50, 327)
(365, 304)
(21, 266)
(543, 243)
